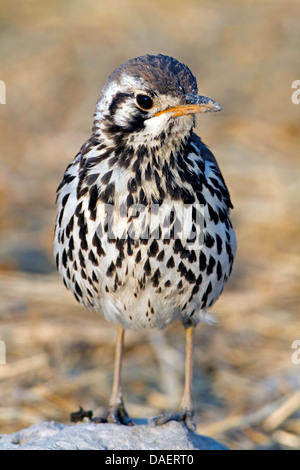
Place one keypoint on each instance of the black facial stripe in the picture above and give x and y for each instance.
(118, 100)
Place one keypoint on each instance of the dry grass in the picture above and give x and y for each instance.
(54, 60)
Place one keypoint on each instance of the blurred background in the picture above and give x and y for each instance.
(54, 59)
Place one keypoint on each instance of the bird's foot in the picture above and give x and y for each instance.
(116, 415)
(183, 416)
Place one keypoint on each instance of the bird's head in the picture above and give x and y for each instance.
(150, 100)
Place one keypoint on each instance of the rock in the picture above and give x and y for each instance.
(92, 436)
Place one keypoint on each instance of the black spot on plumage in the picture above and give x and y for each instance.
(212, 214)
(90, 180)
(192, 256)
(66, 180)
(187, 197)
(200, 165)
(194, 291)
(190, 276)
(138, 176)
(83, 230)
(211, 189)
(205, 295)
(229, 252)
(215, 182)
(69, 227)
(130, 242)
(157, 178)
(71, 243)
(111, 269)
(161, 255)
(63, 203)
(155, 278)
(209, 241)
(107, 196)
(168, 283)
(92, 258)
(185, 253)
(130, 200)
(219, 196)
(147, 267)
(182, 269)
(222, 215)
(154, 160)
(94, 277)
(142, 198)
(119, 261)
(124, 158)
(90, 294)
(131, 185)
(57, 260)
(70, 254)
(219, 270)
(148, 172)
(153, 249)
(78, 290)
(78, 209)
(138, 257)
(93, 201)
(201, 199)
(64, 259)
(202, 261)
(83, 274)
(81, 259)
(98, 245)
(172, 160)
(170, 263)
(211, 265)
(177, 247)
(219, 244)
(106, 177)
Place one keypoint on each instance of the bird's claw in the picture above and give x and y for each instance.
(118, 415)
(115, 415)
(183, 416)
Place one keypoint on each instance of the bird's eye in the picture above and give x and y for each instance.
(144, 102)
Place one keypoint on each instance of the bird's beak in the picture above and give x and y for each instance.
(193, 104)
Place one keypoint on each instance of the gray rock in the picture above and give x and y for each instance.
(83, 436)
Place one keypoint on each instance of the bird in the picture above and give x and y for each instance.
(143, 234)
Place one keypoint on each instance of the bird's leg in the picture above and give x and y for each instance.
(117, 412)
(185, 412)
(186, 406)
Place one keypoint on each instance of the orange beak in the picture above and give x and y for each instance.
(194, 104)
